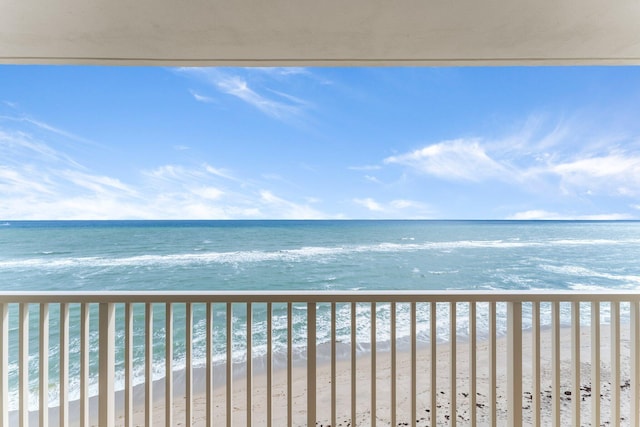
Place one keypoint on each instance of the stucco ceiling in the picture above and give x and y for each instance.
(320, 32)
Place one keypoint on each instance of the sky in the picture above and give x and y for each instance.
(319, 143)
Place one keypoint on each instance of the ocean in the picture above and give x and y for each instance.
(300, 255)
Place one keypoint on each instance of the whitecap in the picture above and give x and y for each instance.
(586, 287)
(579, 271)
(315, 253)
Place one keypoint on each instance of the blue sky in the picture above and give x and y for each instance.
(297, 143)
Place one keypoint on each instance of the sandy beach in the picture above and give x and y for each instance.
(424, 412)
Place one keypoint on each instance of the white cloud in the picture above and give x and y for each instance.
(281, 106)
(458, 160)
(26, 180)
(398, 208)
(167, 192)
(238, 87)
(70, 208)
(208, 193)
(202, 98)
(171, 172)
(18, 147)
(182, 174)
(288, 73)
(222, 173)
(38, 181)
(96, 183)
(599, 167)
(550, 161)
(47, 127)
(176, 191)
(281, 71)
(293, 99)
(406, 204)
(613, 173)
(370, 204)
(286, 209)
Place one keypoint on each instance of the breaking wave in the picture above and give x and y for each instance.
(199, 257)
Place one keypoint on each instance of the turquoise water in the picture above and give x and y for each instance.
(318, 255)
(309, 255)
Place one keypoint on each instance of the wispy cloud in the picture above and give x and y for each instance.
(406, 204)
(25, 181)
(282, 108)
(177, 173)
(38, 181)
(208, 193)
(293, 100)
(370, 204)
(166, 192)
(535, 161)
(288, 209)
(281, 71)
(172, 173)
(372, 179)
(220, 172)
(97, 184)
(397, 208)
(458, 160)
(616, 173)
(273, 102)
(202, 98)
(285, 73)
(17, 146)
(47, 127)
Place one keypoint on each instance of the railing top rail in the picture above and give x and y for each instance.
(399, 296)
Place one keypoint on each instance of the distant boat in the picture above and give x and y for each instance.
(6, 224)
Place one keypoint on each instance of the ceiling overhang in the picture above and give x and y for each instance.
(320, 32)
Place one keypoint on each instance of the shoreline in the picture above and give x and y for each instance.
(383, 383)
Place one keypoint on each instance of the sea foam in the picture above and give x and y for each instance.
(287, 255)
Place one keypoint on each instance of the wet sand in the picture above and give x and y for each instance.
(423, 399)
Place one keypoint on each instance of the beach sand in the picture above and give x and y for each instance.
(423, 416)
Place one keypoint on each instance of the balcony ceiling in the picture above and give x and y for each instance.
(320, 32)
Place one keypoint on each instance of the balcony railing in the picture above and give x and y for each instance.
(429, 358)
